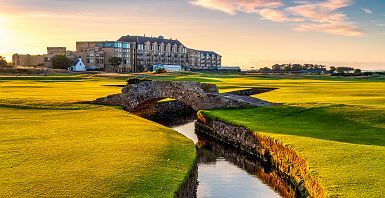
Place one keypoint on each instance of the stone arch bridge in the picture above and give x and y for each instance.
(200, 96)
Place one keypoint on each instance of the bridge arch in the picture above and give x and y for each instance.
(198, 96)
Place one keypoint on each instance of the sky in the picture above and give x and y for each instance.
(247, 33)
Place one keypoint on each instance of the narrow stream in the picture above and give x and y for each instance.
(224, 172)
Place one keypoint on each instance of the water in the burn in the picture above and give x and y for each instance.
(224, 172)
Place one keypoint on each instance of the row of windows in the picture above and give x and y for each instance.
(122, 50)
(93, 55)
(162, 48)
(93, 61)
(114, 45)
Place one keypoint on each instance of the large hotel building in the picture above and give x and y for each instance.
(138, 53)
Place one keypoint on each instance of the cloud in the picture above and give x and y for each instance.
(322, 16)
(325, 17)
(367, 11)
(330, 28)
(273, 15)
(234, 6)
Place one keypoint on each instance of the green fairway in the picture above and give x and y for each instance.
(51, 146)
(337, 125)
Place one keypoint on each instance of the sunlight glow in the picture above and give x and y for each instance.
(5, 36)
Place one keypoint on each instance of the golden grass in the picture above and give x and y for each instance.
(52, 147)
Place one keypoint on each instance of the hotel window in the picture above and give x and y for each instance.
(108, 45)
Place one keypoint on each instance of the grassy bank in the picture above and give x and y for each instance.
(345, 151)
(53, 146)
(337, 125)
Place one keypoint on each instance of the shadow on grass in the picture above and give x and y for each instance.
(43, 78)
(28, 105)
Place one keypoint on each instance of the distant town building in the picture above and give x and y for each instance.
(137, 52)
(44, 59)
(169, 68)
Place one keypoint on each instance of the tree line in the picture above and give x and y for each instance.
(3, 62)
(301, 68)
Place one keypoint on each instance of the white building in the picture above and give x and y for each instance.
(79, 67)
(169, 68)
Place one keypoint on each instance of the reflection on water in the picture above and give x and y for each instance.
(186, 131)
(223, 172)
(223, 179)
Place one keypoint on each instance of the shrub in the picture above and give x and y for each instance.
(115, 63)
(61, 62)
(140, 68)
(132, 81)
(160, 71)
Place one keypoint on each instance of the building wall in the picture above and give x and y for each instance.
(149, 54)
(210, 60)
(194, 60)
(151, 51)
(28, 60)
(98, 53)
(56, 51)
(199, 59)
(45, 59)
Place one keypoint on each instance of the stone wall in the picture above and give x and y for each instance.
(190, 185)
(283, 159)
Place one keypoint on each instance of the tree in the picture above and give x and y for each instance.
(265, 70)
(115, 63)
(357, 71)
(3, 62)
(277, 68)
(342, 70)
(60, 62)
(160, 71)
(333, 69)
(141, 68)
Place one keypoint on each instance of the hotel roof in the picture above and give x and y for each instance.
(144, 39)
